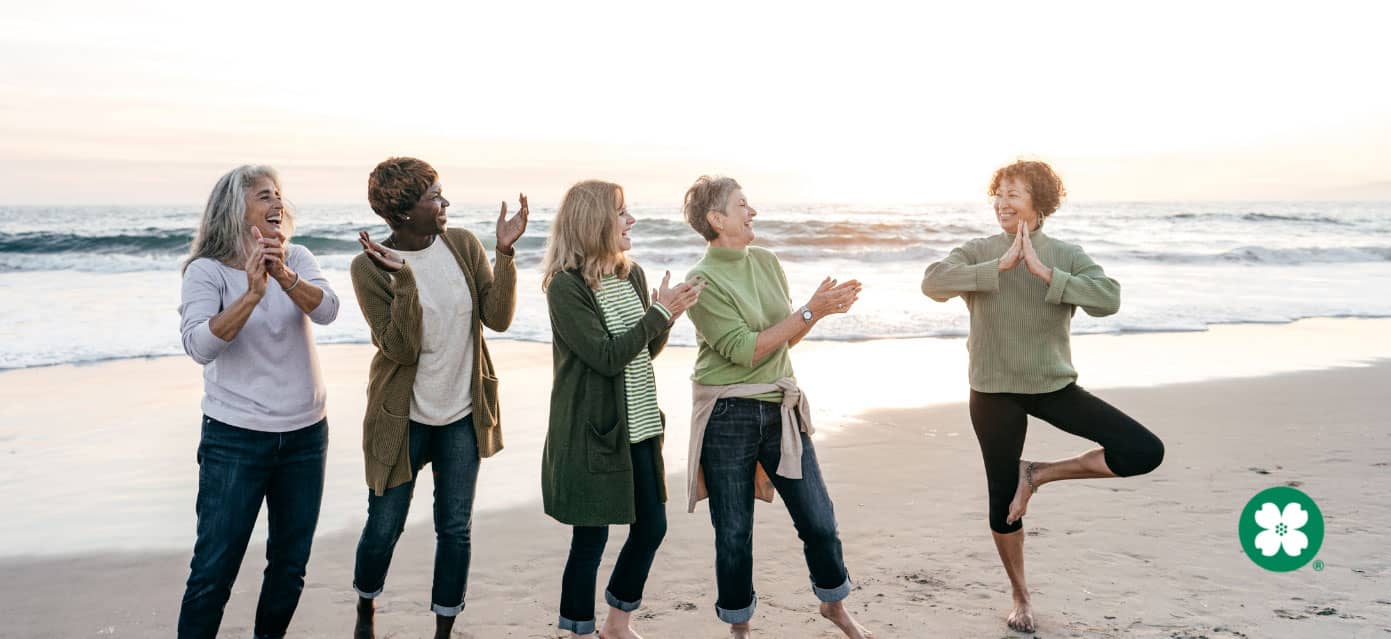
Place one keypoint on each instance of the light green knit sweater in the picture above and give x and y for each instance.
(1020, 326)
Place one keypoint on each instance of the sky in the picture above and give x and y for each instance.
(861, 103)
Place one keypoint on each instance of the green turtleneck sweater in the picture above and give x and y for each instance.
(747, 293)
(1020, 326)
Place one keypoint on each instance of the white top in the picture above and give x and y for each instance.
(266, 378)
(442, 393)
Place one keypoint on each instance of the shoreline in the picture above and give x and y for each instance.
(955, 335)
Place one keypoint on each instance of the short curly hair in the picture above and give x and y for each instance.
(396, 185)
(1045, 187)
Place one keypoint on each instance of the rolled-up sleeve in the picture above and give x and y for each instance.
(199, 300)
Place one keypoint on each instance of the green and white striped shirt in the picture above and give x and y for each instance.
(622, 309)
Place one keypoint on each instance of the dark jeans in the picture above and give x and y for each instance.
(634, 561)
(453, 452)
(237, 470)
(740, 433)
(1001, 420)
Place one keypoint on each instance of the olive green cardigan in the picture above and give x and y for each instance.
(391, 305)
(586, 468)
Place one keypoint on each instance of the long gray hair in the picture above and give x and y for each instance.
(223, 234)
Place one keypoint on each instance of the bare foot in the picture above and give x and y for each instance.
(740, 631)
(836, 612)
(1022, 493)
(1022, 617)
(364, 627)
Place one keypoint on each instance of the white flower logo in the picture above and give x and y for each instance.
(1282, 529)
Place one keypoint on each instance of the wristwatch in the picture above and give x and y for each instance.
(806, 314)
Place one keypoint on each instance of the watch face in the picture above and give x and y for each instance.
(806, 314)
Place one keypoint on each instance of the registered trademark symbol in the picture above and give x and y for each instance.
(1318, 565)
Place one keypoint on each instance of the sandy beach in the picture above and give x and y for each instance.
(99, 476)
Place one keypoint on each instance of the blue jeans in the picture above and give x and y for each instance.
(237, 470)
(634, 560)
(453, 452)
(742, 432)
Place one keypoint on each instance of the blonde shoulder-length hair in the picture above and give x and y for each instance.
(584, 235)
(223, 234)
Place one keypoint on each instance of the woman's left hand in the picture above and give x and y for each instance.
(509, 231)
(1033, 263)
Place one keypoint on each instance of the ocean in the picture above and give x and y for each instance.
(92, 283)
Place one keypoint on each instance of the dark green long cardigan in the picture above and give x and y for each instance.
(587, 468)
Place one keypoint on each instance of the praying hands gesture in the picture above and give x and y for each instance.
(1022, 250)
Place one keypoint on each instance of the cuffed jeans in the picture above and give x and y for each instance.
(741, 433)
(237, 470)
(634, 561)
(453, 452)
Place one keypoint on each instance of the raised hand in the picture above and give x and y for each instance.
(1032, 262)
(680, 298)
(256, 269)
(509, 231)
(385, 259)
(274, 250)
(1015, 253)
(831, 298)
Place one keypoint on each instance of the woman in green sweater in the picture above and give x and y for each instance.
(1021, 359)
(750, 423)
(602, 463)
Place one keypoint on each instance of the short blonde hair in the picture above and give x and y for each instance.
(709, 193)
(584, 235)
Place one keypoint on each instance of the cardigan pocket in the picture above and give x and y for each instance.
(606, 455)
(389, 432)
(485, 411)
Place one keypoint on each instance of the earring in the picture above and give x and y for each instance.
(408, 218)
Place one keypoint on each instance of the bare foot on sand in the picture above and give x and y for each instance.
(1022, 493)
(1022, 617)
(740, 631)
(836, 612)
(620, 632)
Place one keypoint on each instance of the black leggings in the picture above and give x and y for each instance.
(1001, 421)
(634, 560)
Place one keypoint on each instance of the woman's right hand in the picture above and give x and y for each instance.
(831, 298)
(384, 258)
(678, 299)
(256, 274)
(1015, 253)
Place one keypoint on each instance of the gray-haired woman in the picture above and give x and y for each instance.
(248, 298)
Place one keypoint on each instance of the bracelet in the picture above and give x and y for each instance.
(292, 286)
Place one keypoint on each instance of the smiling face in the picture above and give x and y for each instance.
(735, 223)
(624, 224)
(1014, 204)
(428, 216)
(265, 210)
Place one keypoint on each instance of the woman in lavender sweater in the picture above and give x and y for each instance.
(248, 298)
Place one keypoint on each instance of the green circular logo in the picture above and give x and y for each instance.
(1281, 529)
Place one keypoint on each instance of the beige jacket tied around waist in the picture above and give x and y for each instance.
(795, 411)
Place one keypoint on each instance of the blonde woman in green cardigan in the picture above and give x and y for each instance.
(427, 292)
(602, 463)
(1022, 288)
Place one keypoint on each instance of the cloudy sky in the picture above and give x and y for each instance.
(860, 102)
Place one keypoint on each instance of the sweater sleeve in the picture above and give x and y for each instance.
(718, 322)
(308, 269)
(575, 322)
(497, 287)
(200, 299)
(390, 303)
(1085, 285)
(959, 273)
